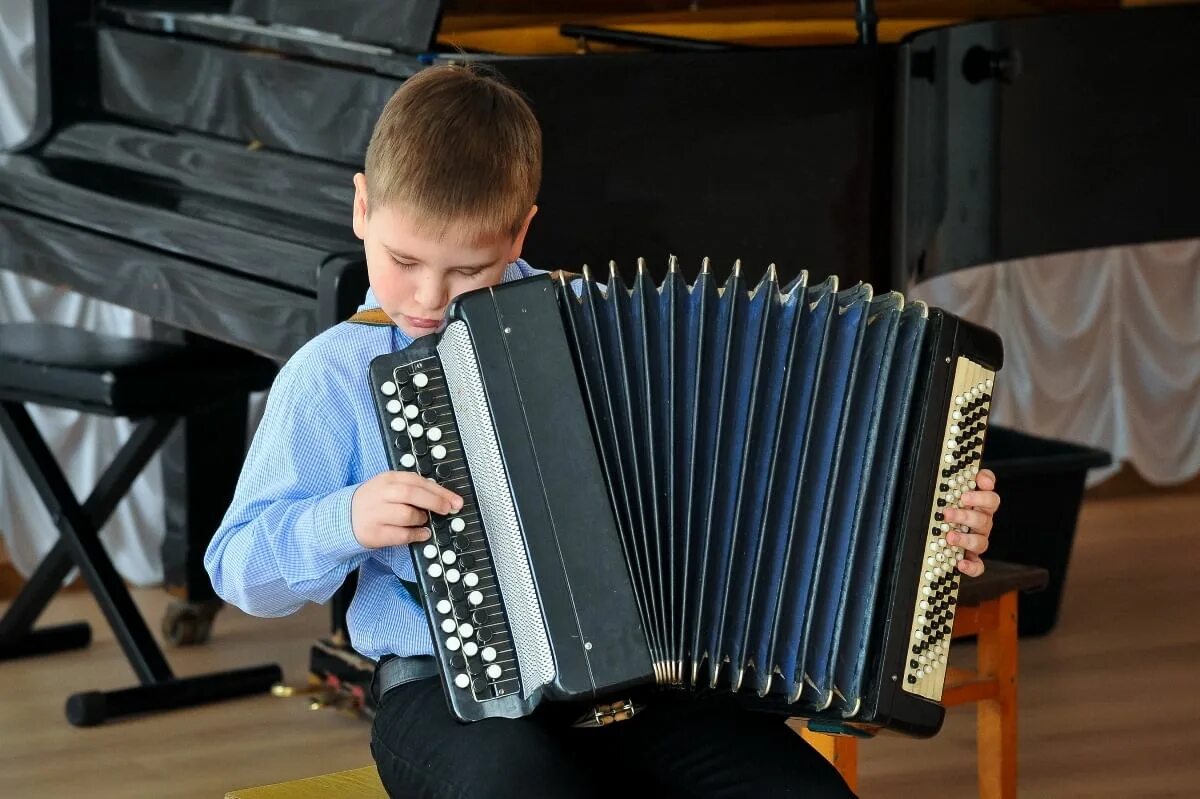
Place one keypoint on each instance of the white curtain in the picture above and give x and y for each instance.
(1102, 347)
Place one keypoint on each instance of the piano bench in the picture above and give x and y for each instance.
(357, 783)
(155, 383)
(987, 609)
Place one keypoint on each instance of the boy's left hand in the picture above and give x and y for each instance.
(978, 508)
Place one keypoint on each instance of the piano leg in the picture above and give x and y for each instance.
(200, 465)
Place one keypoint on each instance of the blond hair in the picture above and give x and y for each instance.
(456, 146)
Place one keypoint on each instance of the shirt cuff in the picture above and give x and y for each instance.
(333, 528)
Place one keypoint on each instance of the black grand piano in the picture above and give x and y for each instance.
(192, 160)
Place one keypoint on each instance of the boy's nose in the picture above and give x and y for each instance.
(431, 297)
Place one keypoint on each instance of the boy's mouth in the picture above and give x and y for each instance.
(422, 324)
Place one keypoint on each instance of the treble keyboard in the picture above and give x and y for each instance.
(458, 582)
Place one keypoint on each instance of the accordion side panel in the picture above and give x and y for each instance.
(546, 442)
(874, 536)
(813, 319)
(764, 350)
(853, 480)
(833, 381)
(714, 326)
(497, 512)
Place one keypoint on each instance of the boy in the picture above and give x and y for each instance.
(452, 174)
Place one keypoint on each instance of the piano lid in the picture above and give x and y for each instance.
(947, 148)
(1046, 134)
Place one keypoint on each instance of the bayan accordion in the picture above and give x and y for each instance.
(730, 489)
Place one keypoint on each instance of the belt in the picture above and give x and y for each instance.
(398, 670)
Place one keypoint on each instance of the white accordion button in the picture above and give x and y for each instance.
(449, 557)
(488, 654)
(470, 649)
(475, 597)
(430, 551)
(408, 460)
(448, 625)
(434, 434)
(453, 644)
(435, 570)
(494, 671)
(465, 630)
(388, 388)
(420, 380)
(452, 575)
(470, 579)
(438, 452)
(398, 424)
(462, 680)
(444, 606)
(394, 406)
(415, 430)
(457, 525)
(411, 411)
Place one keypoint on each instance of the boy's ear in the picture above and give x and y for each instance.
(360, 206)
(519, 241)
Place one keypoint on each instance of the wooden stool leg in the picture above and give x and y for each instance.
(996, 719)
(840, 750)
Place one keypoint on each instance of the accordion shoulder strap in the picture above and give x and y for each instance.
(564, 275)
(372, 316)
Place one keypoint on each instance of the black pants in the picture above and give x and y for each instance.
(684, 748)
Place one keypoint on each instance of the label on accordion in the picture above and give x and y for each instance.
(937, 591)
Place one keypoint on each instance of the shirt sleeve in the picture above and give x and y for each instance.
(286, 538)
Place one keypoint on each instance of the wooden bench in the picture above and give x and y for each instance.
(987, 610)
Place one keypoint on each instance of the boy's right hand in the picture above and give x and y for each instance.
(393, 508)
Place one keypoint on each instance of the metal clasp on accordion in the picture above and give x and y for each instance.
(604, 714)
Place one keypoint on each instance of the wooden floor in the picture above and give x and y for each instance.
(1108, 701)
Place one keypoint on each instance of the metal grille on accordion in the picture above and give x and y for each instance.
(692, 487)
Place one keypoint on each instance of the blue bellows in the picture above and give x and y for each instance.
(752, 437)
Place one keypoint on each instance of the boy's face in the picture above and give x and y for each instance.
(415, 275)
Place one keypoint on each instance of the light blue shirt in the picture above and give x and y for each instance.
(286, 538)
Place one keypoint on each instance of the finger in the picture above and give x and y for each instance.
(978, 521)
(971, 565)
(406, 478)
(986, 479)
(983, 500)
(399, 535)
(402, 514)
(425, 494)
(970, 542)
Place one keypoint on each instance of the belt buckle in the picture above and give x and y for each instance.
(604, 714)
